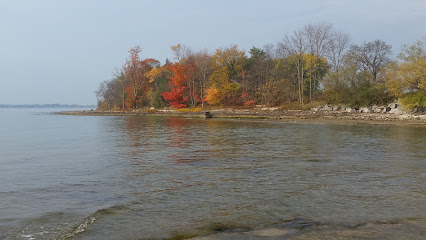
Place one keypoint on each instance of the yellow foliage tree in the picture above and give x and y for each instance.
(408, 75)
(155, 73)
(213, 96)
(225, 80)
(393, 80)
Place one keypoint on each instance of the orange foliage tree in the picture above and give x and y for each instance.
(179, 94)
(135, 72)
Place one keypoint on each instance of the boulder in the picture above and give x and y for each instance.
(365, 110)
(397, 111)
(377, 109)
(327, 107)
(335, 108)
(418, 110)
(395, 108)
(349, 110)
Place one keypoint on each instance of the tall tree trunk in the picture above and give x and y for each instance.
(310, 81)
(122, 106)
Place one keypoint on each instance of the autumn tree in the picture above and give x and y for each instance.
(276, 92)
(406, 78)
(121, 80)
(258, 70)
(147, 66)
(109, 94)
(225, 80)
(413, 66)
(315, 68)
(112, 94)
(316, 37)
(135, 73)
(185, 56)
(181, 52)
(203, 69)
(159, 80)
(178, 95)
(356, 86)
(134, 76)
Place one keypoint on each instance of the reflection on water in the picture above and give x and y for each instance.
(158, 177)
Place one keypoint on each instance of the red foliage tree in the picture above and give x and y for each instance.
(178, 94)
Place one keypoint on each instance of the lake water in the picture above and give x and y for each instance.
(89, 177)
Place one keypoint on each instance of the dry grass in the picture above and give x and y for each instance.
(190, 110)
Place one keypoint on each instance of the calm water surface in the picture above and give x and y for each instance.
(86, 177)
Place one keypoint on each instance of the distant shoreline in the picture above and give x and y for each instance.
(299, 116)
(46, 106)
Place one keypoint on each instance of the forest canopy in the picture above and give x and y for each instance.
(315, 63)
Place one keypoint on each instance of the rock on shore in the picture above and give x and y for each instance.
(394, 108)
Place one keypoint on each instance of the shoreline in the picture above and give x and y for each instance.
(297, 116)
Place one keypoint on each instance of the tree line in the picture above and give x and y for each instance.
(314, 63)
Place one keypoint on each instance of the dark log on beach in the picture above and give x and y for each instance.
(208, 115)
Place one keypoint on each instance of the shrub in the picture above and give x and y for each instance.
(248, 103)
(414, 100)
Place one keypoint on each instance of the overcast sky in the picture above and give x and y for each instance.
(57, 51)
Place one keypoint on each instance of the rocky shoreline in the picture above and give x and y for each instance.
(387, 114)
